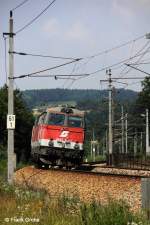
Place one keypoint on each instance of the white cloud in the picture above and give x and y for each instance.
(51, 27)
(130, 7)
(77, 32)
(123, 9)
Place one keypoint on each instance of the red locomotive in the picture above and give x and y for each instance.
(58, 136)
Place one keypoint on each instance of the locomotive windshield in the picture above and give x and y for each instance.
(75, 121)
(56, 119)
(60, 119)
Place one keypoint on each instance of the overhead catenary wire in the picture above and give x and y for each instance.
(70, 84)
(85, 75)
(56, 77)
(141, 56)
(44, 70)
(63, 75)
(133, 83)
(132, 47)
(121, 74)
(127, 78)
(129, 59)
(130, 65)
(140, 63)
(116, 47)
(60, 57)
(145, 60)
(43, 56)
(73, 70)
(64, 78)
(115, 79)
(18, 6)
(111, 49)
(87, 57)
(106, 51)
(115, 64)
(59, 76)
(35, 18)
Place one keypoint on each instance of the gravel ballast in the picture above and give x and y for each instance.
(100, 187)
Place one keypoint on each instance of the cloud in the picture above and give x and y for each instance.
(77, 32)
(51, 27)
(130, 8)
(123, 9)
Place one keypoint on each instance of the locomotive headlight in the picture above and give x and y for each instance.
(76, 146)
(51, 143)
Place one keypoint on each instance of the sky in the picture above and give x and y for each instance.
(78, 29)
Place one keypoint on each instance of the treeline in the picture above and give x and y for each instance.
(35, 98)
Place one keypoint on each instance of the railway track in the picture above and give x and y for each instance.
(95, 163)
(100, 168)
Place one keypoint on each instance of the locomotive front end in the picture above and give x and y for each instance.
(60, 137)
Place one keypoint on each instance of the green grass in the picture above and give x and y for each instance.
(3, 168)
(97, 158)
(114, 213)
(19, 203)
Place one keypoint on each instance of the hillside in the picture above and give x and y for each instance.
(40, 97)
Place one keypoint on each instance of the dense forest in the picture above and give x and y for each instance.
(34, 98)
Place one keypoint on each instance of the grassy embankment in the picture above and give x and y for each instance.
(31, 207)
(25, 206)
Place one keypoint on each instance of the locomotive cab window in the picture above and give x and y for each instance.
(56, 119)
(75, 121)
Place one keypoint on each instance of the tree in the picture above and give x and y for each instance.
(24, 123)
(3, 113)
(143, 101)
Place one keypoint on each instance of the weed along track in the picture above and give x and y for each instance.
(100, 186)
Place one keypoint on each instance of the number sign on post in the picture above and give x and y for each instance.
(10, 121)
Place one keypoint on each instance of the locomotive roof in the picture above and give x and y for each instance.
(60, 108)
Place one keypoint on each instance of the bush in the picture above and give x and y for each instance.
(97, 158)
(3, 152)
(114, 213)
(3, 168)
